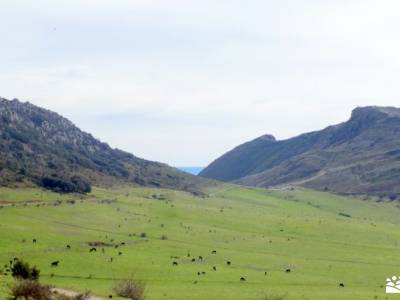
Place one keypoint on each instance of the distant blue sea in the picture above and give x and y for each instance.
(191, 170)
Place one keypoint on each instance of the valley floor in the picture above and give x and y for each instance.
(323, 239)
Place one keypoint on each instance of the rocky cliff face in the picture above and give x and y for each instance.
(360, 156)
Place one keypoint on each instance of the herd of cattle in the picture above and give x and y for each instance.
(174, 262)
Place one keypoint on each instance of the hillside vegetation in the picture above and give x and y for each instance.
(360, 156)
(40, 147)
(324, 240)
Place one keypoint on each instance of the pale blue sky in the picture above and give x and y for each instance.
(184, 81)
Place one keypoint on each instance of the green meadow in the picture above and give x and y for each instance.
(323, 239)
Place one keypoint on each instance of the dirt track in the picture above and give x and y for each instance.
(72, 294)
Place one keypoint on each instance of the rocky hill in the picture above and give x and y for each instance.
(40, 147)
(360, 156)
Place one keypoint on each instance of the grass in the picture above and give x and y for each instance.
(256, 230)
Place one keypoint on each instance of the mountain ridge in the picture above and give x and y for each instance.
(41, 147)
(344, 156)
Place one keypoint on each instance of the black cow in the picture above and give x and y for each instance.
(242, 279)
(214, 252)
(228, 263)
(93, 250)
(68, 247)
(34, 241)
(174, 263)
(341, 284)
(193, 259)
(200, 257)
(55, 263)
(287, 270)
(119, 253)
(215, 268)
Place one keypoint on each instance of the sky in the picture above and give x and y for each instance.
(182, 82)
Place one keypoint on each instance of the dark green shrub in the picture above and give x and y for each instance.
(81, 185)
(75, 184)
(22, 270)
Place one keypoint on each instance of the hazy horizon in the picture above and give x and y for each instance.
(183, 82)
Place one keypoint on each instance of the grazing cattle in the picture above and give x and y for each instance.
(201, 257)
(92, 250)
(228, 263)
(123, 243)
(198, 273)
(68, 247)
(242, 279)
(341, 284)
(265, 273)
(174, 263)
(111, 259)
(195, 282)
(215, 268)
(110, 296)
(34, 241)
(204, 273)
(55, 263)
(193, 259)
(287, 270)
(116, 246)
(214, 252)
(188, 255)
(119, 253)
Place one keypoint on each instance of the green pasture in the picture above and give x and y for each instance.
(323, 239)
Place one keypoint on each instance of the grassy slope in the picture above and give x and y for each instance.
(321, 248)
